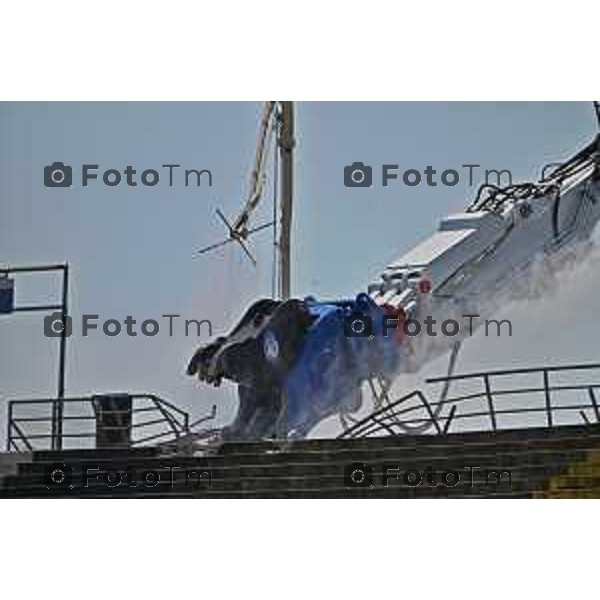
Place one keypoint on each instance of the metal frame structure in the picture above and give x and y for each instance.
(58, 402)
(173, 422)
(414, 410)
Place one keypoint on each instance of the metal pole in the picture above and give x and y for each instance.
(62, 358)
(9, 428)
(594, 404)
(548, 399)
(490, 399)
(286, 149)
(57, 406)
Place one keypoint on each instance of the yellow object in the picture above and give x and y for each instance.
(582, 481)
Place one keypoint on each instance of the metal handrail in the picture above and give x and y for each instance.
(158, 400)
(21, 438)
(392, 418)
(520, 371)
(175, 420)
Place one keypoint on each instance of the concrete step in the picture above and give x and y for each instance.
(540, 461)
(86, 454)
(531, 477)
(289, 492)
(570, 494)
(402, 452)
(299, 463)
(574, 482)
(453, 439)
(9, 464)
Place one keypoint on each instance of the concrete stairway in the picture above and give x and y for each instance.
(543, 463)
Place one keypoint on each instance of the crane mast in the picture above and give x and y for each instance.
(286, 150)
(277, 118)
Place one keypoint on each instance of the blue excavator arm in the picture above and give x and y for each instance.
(297, 362)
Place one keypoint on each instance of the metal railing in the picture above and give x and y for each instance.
(31, 423)
(545, 404)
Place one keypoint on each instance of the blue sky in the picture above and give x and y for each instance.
(131, 249)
